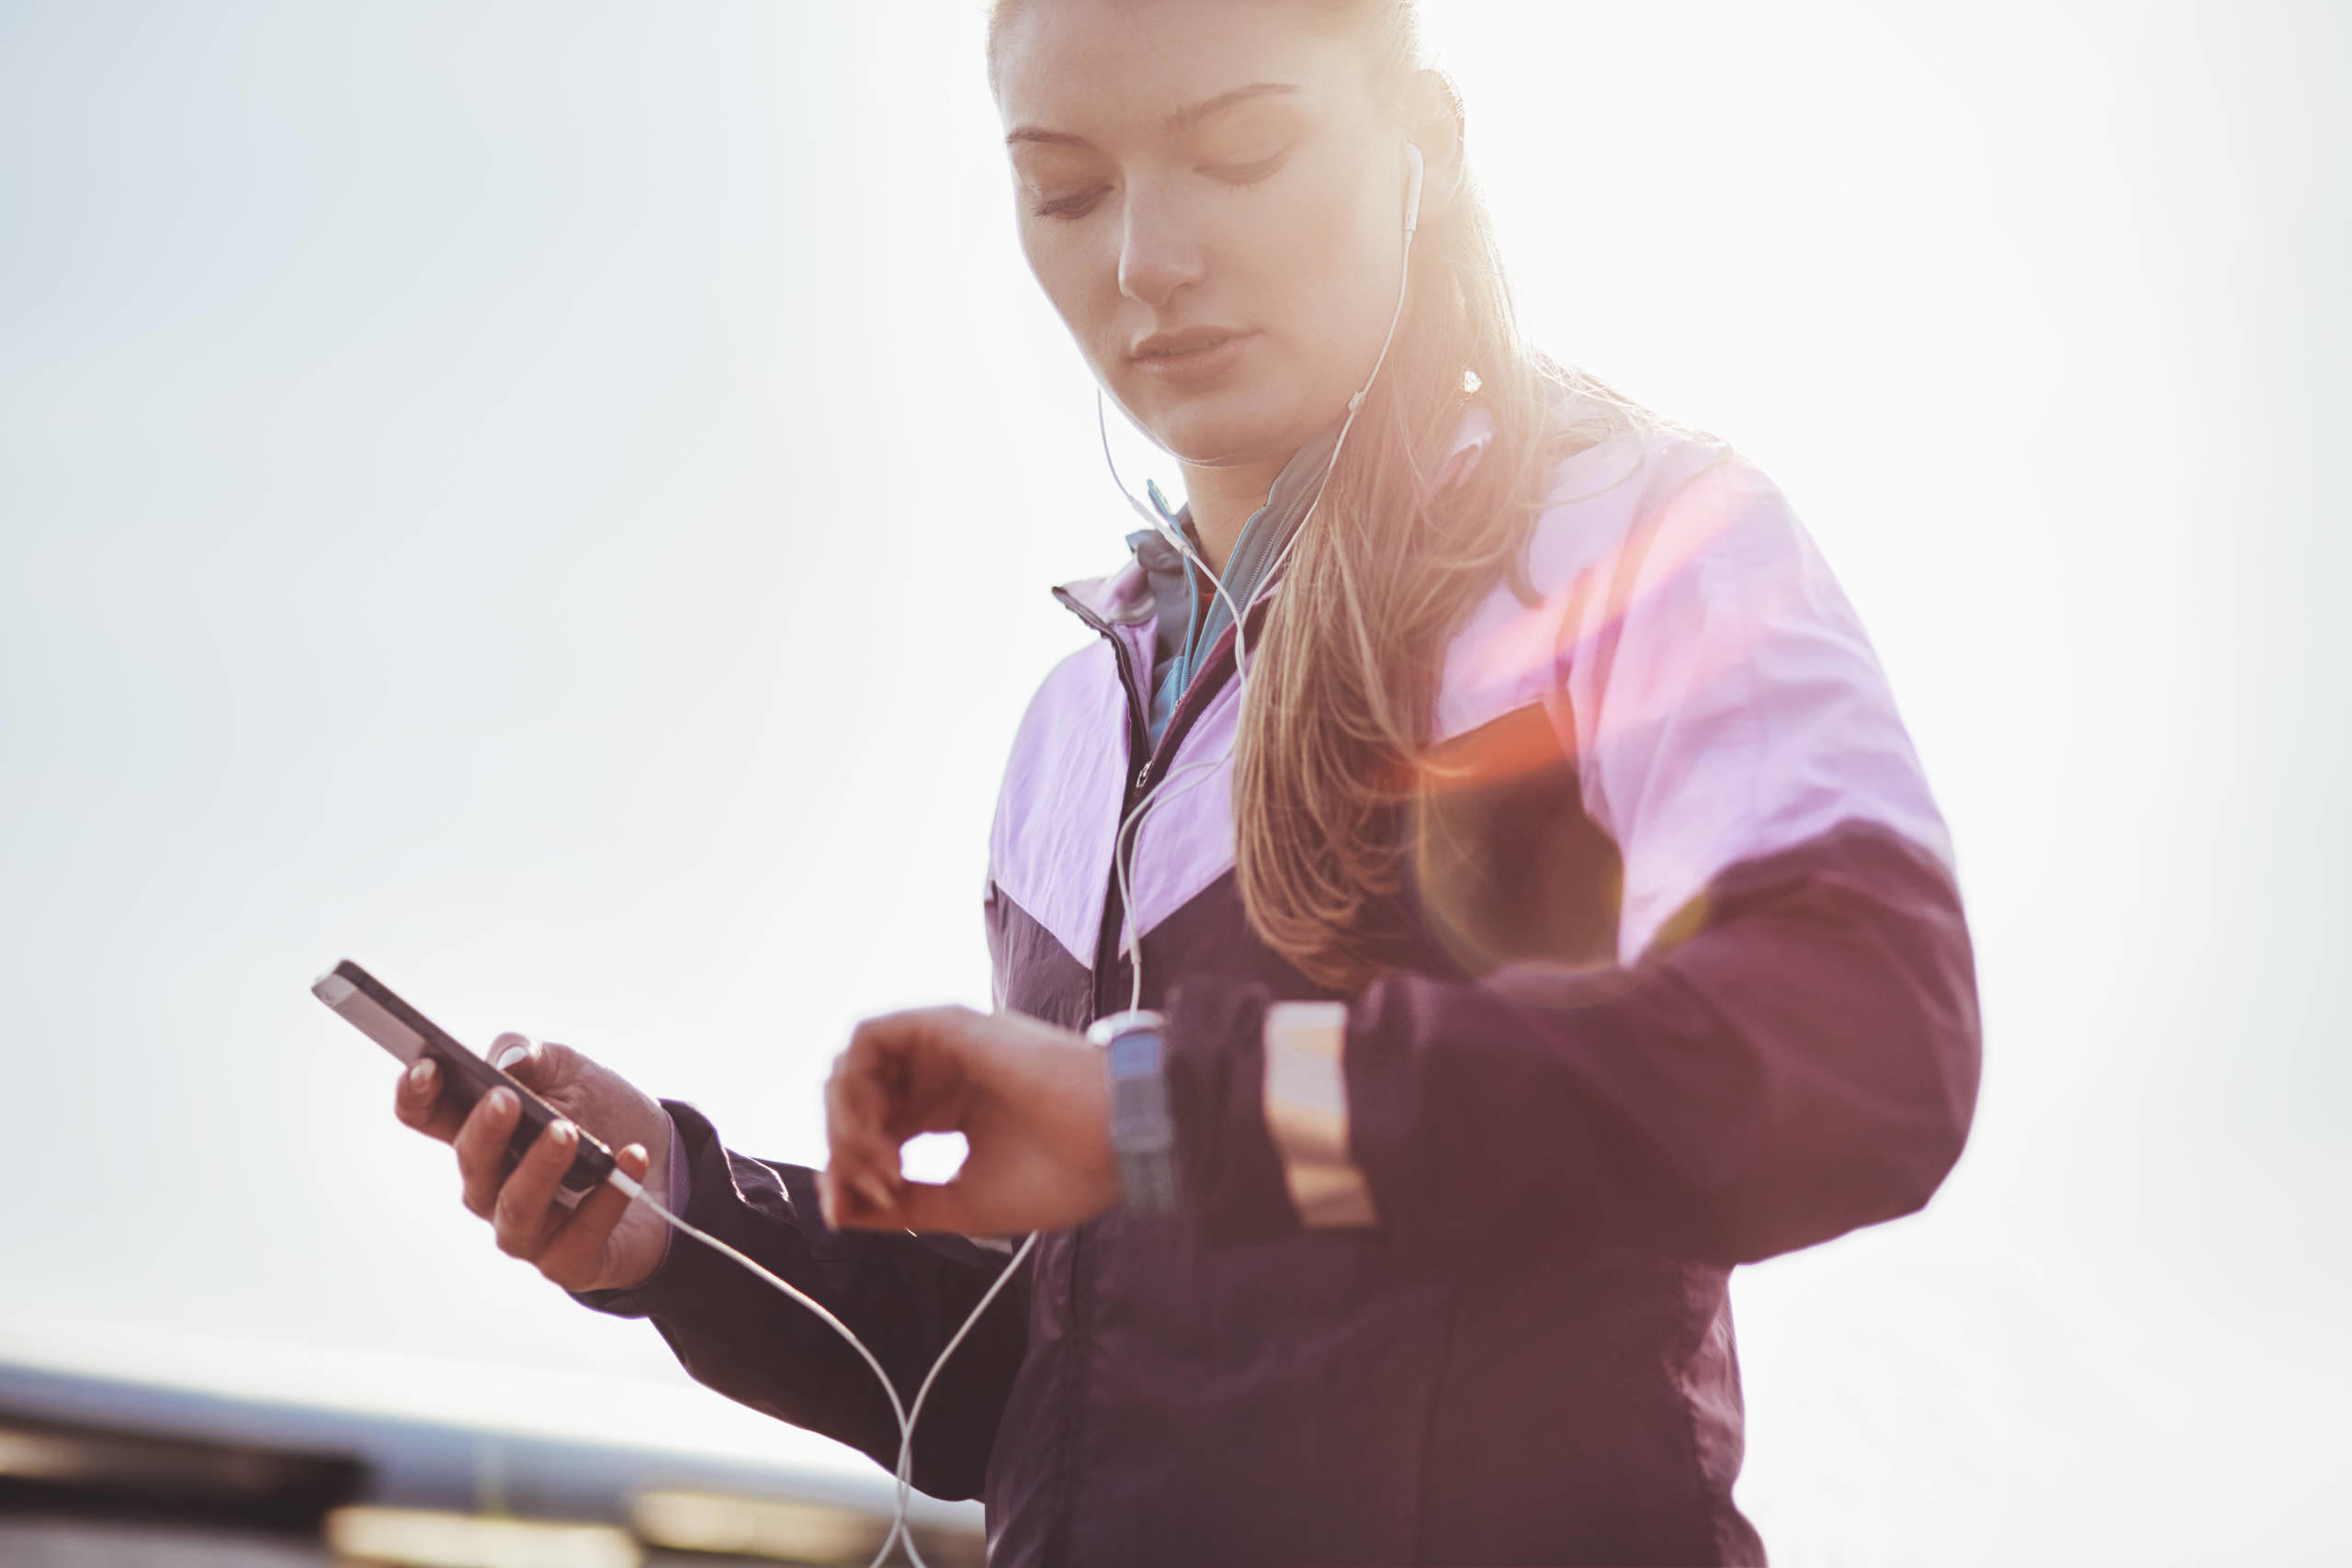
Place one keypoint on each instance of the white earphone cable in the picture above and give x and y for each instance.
(905, 1414)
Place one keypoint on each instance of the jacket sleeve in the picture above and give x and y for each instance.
(1788, 1046)
(903, 1296)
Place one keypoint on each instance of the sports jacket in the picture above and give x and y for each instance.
(1689, 985)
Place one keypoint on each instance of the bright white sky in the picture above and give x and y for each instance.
(554, 501)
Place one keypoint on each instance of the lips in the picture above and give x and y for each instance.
(1194, 359)
(1178, 345)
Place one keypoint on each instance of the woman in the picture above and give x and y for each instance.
(1559, 919)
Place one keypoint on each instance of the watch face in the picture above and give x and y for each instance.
(1136, 1055)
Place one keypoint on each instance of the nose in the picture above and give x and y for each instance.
(1160, 252)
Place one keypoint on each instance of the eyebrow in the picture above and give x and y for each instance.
(1183, 119)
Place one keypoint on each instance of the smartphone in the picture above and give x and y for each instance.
(376, 1011)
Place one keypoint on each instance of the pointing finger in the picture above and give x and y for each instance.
(482, 1148)
(521, 1215)
(417, 1102)
(861, 1152)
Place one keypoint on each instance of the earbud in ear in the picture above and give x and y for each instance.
(1413, 167)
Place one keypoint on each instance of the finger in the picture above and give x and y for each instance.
(853, 1205)
(574, 1256)
(860, 1184)
(416, 1100)
(538, 1064)
(859, 1147)
(520, 1216)
(870, 1176)
(903, 1073)
(854, 1098)
(826, 1206)
(922, 1064)
(482, 1148)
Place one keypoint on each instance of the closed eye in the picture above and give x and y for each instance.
(1246, 173)
(1076, 206)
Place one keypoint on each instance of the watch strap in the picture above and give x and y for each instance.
(1142, 1128)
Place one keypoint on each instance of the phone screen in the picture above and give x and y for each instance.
(379, 1013)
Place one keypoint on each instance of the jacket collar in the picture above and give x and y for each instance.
(1132, 594)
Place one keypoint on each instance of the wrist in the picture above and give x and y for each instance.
(663, 1152)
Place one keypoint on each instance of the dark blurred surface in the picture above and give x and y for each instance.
(33, 1541)
(104, 1473)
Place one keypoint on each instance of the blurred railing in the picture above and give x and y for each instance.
(103, 1470)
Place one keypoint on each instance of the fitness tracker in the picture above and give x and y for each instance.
(1143, 1133)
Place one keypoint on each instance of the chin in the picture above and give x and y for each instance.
(1219, 426)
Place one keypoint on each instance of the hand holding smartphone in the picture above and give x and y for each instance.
(379, 1013)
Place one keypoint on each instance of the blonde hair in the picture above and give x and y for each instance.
(1334, 749)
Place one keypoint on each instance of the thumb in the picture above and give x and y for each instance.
(536, 1065)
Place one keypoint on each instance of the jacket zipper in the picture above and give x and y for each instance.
(1207, 680)
(1139, 723)
(1079, 1300)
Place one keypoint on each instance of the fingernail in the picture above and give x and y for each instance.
(421, 1073)
(875, 1190)
(500, 1101)
(561, 1132)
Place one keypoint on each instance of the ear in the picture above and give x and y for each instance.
(1434, 124)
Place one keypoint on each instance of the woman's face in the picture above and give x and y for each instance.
(1213, 202)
